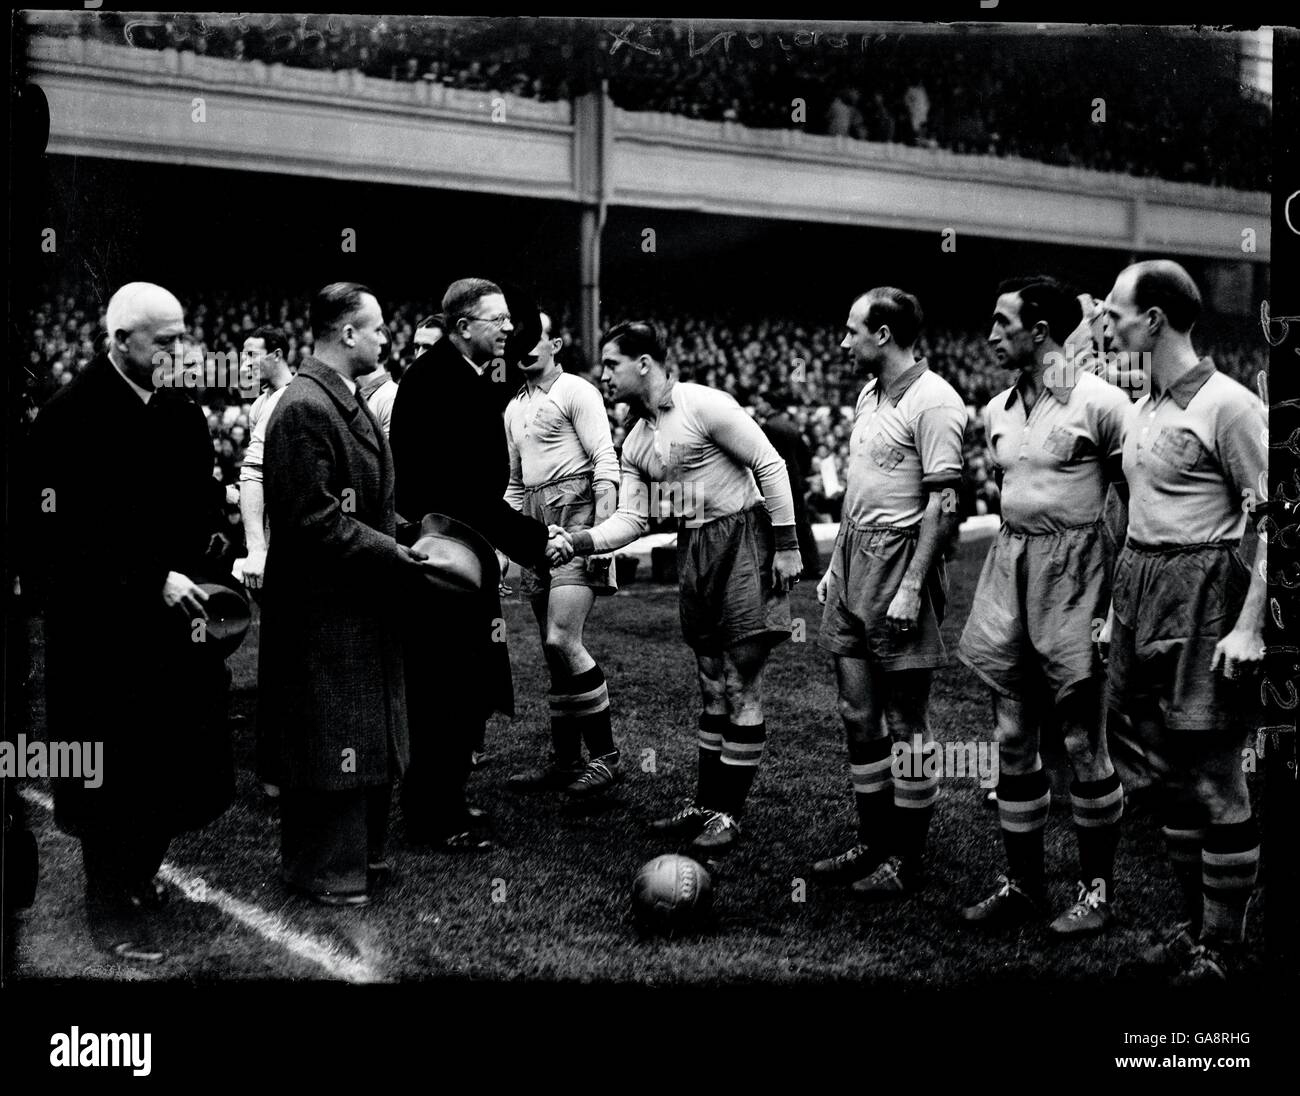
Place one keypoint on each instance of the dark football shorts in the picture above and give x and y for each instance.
(569, 502)
(1040, 602)
(867, 568)
(724, 570)
(1172, 606)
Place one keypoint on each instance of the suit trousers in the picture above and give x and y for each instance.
(447, 716)
(328, 838)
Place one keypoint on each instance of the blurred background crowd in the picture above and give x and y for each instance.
(1074, 99)
(770, 366)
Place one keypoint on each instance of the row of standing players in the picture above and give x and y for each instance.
(366, 674)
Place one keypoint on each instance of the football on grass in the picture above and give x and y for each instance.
(671, 894)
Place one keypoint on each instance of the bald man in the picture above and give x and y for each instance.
(126, 660)
(1187, 618)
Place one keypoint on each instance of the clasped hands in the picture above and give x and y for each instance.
(559, 548)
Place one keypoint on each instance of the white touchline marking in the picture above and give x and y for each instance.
(267, 925)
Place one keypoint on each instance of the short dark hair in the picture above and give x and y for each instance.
(1165, 285)
(334, 305)
(463, 294)
(900, 310)
(636, 337)
(273, 339)
(1044, 298)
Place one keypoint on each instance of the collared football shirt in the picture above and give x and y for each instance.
(704, 459)
(901, 444)
(557, 431)
(1195, 456)
(1052, 459)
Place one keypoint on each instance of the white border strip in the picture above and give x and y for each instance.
(269, 926)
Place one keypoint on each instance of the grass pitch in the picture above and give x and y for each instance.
(552, 901)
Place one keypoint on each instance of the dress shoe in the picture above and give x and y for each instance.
(142, 950)
(467, 842)
(554, 776)
(333, 899)
(379, 874)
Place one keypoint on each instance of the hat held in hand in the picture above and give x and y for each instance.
(228, 617)
(459, 559)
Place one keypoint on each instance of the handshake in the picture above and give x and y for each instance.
(559, 549)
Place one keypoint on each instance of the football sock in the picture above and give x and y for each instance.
(588, 705)
(870, 767)
(1097, 807)
(914, 798)
(742, 749)
(1024, 802)
(712, 731)
(1230, 864)
(1184, 832)
(566, 735)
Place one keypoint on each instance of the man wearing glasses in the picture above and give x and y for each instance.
(450, 457)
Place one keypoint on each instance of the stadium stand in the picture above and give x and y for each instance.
(1007, 96)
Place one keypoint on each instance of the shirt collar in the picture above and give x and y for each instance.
(546, 388)
(144, 393)
(1060, 392)
(904, 381)
(666, 401)
(479, 369)
(1186, 386)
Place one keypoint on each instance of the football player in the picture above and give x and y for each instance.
(737, 559)
(564, 472)
(1055, 437)
(1186, 627)
(885, 589)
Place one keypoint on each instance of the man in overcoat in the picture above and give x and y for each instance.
(330, 664)
(449, 448)
(117, 565)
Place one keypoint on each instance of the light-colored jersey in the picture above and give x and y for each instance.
(557, 431)
(259, 418)
(703, 459)
(901, 445)
(1052, 460)
(1195, 457)
(380, 402)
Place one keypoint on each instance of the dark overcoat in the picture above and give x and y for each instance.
(331, 689)
(449, 449)
(119, 494)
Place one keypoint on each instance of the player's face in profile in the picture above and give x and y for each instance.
(620, 374)
(1125, 328)
(858, 341)
(1012, 345)
(255, 354)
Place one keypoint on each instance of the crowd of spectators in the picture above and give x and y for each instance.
(1143, 101)
(791, 366)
